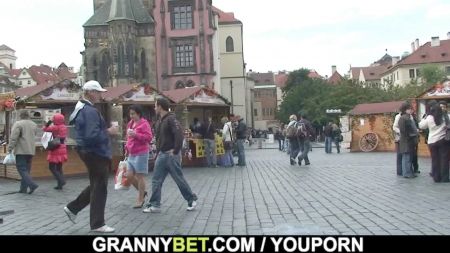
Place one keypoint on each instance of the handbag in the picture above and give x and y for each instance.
(54, 143)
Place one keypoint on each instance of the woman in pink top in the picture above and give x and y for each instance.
(58, 156)
(139, 136)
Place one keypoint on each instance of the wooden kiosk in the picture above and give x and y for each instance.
(43, 101)
(198, 102)
(371, 126)
(439, 92)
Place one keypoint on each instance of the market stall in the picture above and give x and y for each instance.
(371, 126)
(439, 92)
(43, 101)
(201, 103)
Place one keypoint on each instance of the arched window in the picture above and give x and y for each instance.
(103, 73)
(121, 60)
(179, 85)
(190, 83)
(143, 65)
(230, 44)
(130, 54)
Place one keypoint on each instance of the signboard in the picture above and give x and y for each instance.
(204, 98)
(60, 94)
(141, 94)
(440, 90)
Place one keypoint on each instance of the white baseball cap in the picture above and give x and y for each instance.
(93, 85)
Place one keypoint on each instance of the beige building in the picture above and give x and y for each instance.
(23, 78)
(408, 69)
(7, 56)
(234, 84)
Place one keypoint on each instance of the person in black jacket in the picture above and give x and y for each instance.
(408, 139)
(169, 140)
(210, 143)
(241, 135)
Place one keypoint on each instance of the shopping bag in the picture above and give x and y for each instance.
(120, 180)
(10, 159)
(46, 137)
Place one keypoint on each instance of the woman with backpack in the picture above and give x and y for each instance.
(57, 156)
(337, 134)
(291, 134)
(139, 137)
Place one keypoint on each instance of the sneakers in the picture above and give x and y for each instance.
(292, 161)
(104, 229)
(32, 189)
(191, 205)
(151, 209)
(70, 215)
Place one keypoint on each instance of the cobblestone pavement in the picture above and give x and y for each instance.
(347, 193)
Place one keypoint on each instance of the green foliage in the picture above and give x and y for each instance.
(314, 96)
(432, 74)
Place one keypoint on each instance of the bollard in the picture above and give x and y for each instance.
(260, 143)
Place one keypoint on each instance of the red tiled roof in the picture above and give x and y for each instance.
(355, 72)
(15, 72)
(376, 108)
(43, 74)
(179, 95)
(335, 78)
(314, 74)
(115, 92)
(428, 54)
(66, 74)
(281, 79)
(33, 90)
(263, 78)
(226, 17)
(374, 72)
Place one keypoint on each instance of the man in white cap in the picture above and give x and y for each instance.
(93, 147)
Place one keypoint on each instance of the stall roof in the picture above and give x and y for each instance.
(120, 91)
(376, 108)
(32, 90)
(115, 92)
(437, 91)
(181, 95)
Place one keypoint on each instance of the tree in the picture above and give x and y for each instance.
(432, 74)
(295, 78)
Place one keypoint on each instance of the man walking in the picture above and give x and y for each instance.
(291, 135)
(328, 132)
(210, 143)
(306, 131)
(241, 134)
(23, 143)
(169, 139)
(93, 147)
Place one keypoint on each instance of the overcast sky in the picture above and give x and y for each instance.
(278, 35)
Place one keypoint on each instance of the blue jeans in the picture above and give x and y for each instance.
(399, 160)
(338, 146)
(23, 165)
(228, 159)
(328, 142)
(169, 164)
(241, 152)
(294, 148)
(305, 147)
(407, 165)
(210, 152)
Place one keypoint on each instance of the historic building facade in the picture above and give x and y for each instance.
(120, 43)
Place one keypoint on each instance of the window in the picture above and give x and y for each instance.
(255, 112)
(182, 17)
(417, 72)
(29, 82)
(230, 44)
(412, 73)
(121, 60)
(447, 70)
(184, 57)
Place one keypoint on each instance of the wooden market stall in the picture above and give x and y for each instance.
(119, 99)
(438, 92)
(198, 102)
(43, 101)
(371, 126)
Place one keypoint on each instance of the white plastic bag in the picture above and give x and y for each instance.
(120, 180)
(10, 159)
(46, 138)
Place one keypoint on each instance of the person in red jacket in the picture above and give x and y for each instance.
(58, 156)
(139, 136)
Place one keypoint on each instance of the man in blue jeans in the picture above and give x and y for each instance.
(241, 136)
(23, 143)
(169, 139)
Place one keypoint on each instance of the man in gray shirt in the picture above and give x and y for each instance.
(23, 143)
